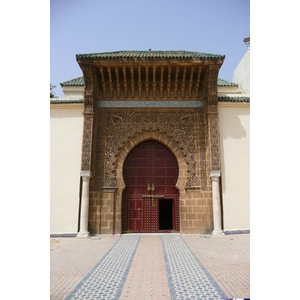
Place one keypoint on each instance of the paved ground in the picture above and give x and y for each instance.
(150, 267)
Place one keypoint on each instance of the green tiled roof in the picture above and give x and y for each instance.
(80, 82)
(223, 82)
(60, 101)
(74, 82)
(150, 54)
(233, 99)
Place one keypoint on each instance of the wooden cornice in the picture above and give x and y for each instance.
(146, 80)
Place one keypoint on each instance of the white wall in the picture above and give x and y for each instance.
(66, 124)
(241, 74)
(234, 120)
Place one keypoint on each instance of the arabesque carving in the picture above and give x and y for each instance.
(87, 142)
(213, 124)
(178, 125)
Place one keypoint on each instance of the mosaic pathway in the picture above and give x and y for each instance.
(107, 278)
(152, 267)
(187, 277)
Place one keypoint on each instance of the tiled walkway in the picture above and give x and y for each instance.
(151, 267)
(148, 276)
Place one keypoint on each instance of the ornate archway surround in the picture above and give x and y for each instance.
(140, 138)
(183, 132)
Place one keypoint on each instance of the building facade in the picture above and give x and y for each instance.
(149, 142)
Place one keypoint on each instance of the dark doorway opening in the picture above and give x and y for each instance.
(165, 214)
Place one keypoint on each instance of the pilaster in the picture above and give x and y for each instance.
(215, 175)
(84, 211)
(87, 142)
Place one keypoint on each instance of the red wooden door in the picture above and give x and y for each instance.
(150, 174)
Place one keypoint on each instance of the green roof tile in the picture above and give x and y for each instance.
(223, 82)
(74, 82)
(150, 54)
(234, 99)
(60, 101)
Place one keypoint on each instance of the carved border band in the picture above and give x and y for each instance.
(154, 104)
(87, 142)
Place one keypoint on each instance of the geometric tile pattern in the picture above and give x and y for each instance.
(227, 259)
(151, 267)
(71, 259)
(154, 104)
(187, 277)
(107, 278)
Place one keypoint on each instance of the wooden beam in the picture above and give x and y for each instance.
(147, 82)
(191, 81)
(110, 81)
(154, 81)
(169, 81)
(118, 82)
(198, 81)
(132, 81)
(103, 81)
(176, 80)
(183, 82)
(125, 82)
(140, 81)
(161, 80)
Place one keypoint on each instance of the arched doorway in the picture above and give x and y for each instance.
(150, 199)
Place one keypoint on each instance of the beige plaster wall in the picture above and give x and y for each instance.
(66, 123)
(234, 125)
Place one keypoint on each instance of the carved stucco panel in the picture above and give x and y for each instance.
(213, 124)
(179, 125)
(87, 142)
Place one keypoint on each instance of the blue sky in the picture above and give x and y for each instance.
(206, 26)
(76, 27)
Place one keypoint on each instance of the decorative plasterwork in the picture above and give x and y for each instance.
(213, 120)
(179, 125)
(167, 96)
(88, 114)
(87, 142)
(213, 128)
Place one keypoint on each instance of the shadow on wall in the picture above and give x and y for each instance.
(231, 127)
(234, 129)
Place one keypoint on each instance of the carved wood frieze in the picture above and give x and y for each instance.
(117, 127)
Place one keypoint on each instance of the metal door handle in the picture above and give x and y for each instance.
(153, 187)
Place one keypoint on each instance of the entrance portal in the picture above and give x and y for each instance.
(150, 199)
